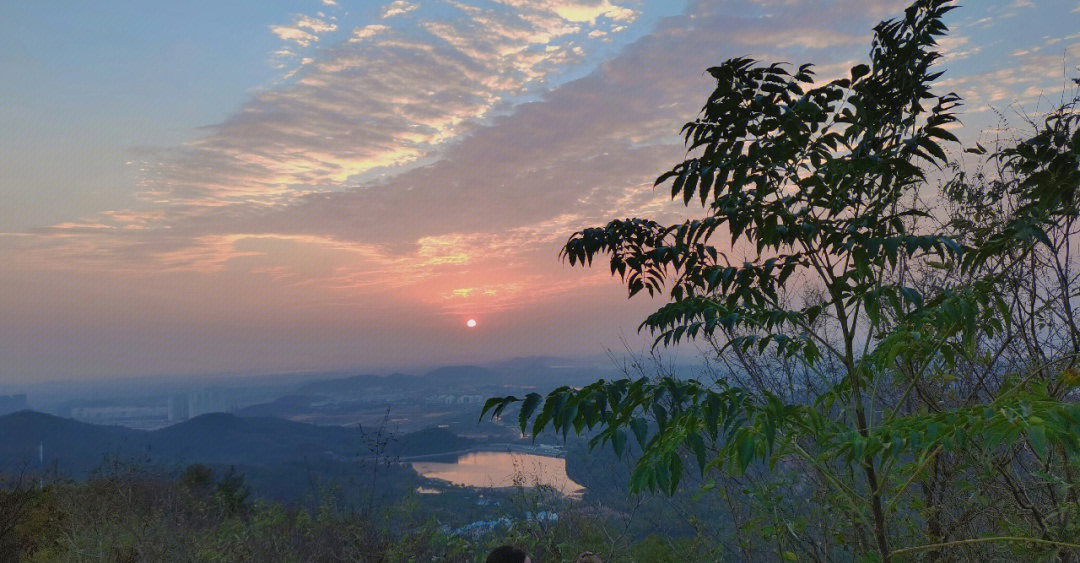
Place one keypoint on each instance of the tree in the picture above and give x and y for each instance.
(850, 276)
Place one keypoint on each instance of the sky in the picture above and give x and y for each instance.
(271, 187)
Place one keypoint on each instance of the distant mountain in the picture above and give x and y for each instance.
(69, 446)
(348, 385)
(75, 448)
(283, 407)
(225, 438)
(529, 363)
(429, 441)
(336, 398)
(435, 397)
(459, 376)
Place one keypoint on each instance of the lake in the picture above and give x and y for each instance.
(502, 469)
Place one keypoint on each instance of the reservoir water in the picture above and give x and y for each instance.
(502, 469)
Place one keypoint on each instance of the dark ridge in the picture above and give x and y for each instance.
(67, 446)
(75, 448)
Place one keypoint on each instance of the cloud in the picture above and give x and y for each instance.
(315, 25)
(955, 48)
(397, 8)
(304, 30)
(383, 98)
(294, 35)
(366, 31)
(582, 11)
(285, 167)
(419, 169)
(621, 118)
(1029, 78)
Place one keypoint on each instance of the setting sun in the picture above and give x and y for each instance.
(471, 323)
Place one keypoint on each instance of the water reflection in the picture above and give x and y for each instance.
(502, 469)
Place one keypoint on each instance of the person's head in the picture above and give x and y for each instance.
(507, 554)
(588, 557)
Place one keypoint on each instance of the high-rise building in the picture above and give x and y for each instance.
(206, 401)
(178, 408)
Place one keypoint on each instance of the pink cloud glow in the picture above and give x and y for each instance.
(414, 172)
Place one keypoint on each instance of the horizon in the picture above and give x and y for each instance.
(596, 361)
(284, 189)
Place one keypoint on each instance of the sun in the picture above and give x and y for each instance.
(471, 323)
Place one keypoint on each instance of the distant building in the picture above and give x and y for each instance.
(542, 516)
(483, 527)
(206, 401)
(455, 399)
(12, 403)
(117, 414)
(178, 408)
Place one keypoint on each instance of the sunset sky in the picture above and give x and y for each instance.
(267, 186)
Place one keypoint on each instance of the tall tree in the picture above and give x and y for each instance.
(825, 189)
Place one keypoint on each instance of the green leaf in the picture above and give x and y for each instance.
(1037, 438)
(746, 446)
(618, 441)
(527, 408)
(498, 404)
(641, 429)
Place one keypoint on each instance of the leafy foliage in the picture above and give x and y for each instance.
(820, 189)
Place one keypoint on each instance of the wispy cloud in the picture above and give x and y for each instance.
(957, 48)
(1030, 78)
(304, 30)
(294, 35)
(366, 31)
(397, 8)
(578, 11)
(381, 99)
(284, 164)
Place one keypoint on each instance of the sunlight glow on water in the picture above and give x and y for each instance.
(502, 469)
